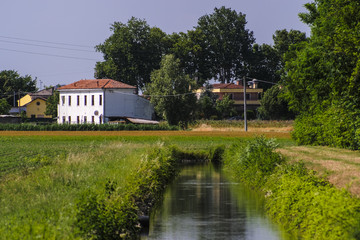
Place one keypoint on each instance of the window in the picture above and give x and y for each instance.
(247, 96)
(78, 119)
(64, 119)
(69, 118)
(100, 119)
(85, 100)
(38, 103)
(92, 100)
(78, 100)
(63, 100)
(100, 100)
(92, 119)
(85, 119)
(69, 100)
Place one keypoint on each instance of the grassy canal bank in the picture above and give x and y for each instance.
(58, 185)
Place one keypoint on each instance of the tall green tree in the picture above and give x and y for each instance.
(273, 106)
(51, 105)
(4, 106)
(132, 52)
(11, 81)
(322, 77)
(268, 61)
(225, 107)
(171, 93)
(229, 44)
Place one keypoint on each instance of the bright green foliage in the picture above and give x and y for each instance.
(191, 50)
(4, 106)
(132, 52)
(51, 105)
(268, 61)
(11, 81)
(322, 76)
(311, 206)
(113, 214)
(304, 203)
(171, 93)
(273, 106)
(225, 107)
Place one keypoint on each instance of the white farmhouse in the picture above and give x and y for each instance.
(99, 101)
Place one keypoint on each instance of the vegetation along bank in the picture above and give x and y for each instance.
(305, 204)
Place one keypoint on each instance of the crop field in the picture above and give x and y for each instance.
(44, 174)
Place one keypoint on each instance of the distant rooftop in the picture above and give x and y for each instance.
(97, 84)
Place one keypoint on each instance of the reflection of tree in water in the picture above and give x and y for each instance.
(200, 205)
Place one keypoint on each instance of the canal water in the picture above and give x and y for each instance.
(203, 203)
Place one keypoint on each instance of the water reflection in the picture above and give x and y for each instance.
(202, 204)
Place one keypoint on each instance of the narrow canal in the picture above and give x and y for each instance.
(202, 203)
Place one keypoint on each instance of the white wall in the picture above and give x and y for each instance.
(92, 112)
(115, 103)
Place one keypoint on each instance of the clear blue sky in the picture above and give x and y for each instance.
(87, 23)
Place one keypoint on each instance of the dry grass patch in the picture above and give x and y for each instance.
(341, 167)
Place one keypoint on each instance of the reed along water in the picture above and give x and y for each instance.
(204, 203)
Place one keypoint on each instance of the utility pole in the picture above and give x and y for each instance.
(245, 117)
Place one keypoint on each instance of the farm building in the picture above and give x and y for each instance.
(100, 101)
(34, 104)
(236, 93)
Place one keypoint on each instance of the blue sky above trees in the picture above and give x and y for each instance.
(80, 25)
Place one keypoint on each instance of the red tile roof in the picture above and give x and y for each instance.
(226, 86)
(96, 84)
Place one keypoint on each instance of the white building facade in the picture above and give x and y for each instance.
(99, 101)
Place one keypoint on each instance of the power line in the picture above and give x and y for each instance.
(50, 55)
(57, 43)
(38, 45)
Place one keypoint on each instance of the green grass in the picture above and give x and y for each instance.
(42, 177)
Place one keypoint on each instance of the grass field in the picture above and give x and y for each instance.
(43, 174)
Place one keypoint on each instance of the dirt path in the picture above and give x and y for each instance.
(341, 167)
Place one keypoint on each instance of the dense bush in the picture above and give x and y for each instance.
(334, 127)
(304, 203)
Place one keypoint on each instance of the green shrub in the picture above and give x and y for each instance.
(334, 127)
(296, 197)
(113, 213)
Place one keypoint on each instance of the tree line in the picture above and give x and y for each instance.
(322, 75)
(168, 67)
(220, 48)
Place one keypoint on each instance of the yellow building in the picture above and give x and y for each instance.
(35, 103)
(236, 93)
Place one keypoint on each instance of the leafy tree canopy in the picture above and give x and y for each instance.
(11, 81)
(51, 105)
(132, 52)
(171, 93)
(229, 43)
(274, 106)
(323, 73)
(4, 106)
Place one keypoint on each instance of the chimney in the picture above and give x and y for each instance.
(238, 82)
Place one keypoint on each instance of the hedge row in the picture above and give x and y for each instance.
(295, 197)
(114, 213)
(334, 127)
(86, 127)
